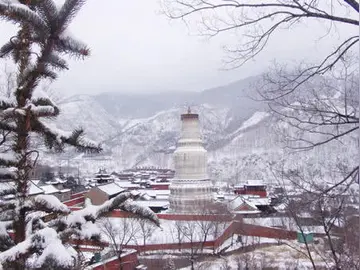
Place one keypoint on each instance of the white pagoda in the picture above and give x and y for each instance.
(190, 189)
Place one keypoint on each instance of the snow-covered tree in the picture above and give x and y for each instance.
(37, 50)
(120, 234)
(170, 265)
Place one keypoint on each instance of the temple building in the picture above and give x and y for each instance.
(190, 190)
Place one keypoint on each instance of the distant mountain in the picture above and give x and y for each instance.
(142, 129)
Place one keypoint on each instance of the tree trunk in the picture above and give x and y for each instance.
(24, 167)
(120, 260)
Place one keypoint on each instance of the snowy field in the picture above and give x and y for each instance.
(282, 257)
(133, 232)
(283, 222)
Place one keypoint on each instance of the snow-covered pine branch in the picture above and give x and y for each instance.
(13, 113)
(5, 240)
(50, 204)
(124, 201)
(44, 110)
(73, 47)
(36, 49)
(19, 13)
(6, 103)
(7, 125)
(42, 245)
(8, 159)
(140, 211)
(57, 62)
(57, 139)
(8, 173)
(42, 237)
(81, 224)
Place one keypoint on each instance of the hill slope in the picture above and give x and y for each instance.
(143, 129)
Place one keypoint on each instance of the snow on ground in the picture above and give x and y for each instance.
(170, 231)
(236, 242)
(270, 221)
(256, 118)
(283, 222)
(282, 257)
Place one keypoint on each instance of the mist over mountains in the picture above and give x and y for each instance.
(139, 130)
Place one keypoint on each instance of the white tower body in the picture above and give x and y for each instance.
(190, 190)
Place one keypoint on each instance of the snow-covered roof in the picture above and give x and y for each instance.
(55, 181)
(154, 193)
(160, 183)
(135, 193)
(247, 212)
(49, 189)
(255, 183)
(139, 181)
(252, 201)
(126, 184)
(162, 197)
(110, 189)
(36, 182)
(225, 196)
(259, 201)
(34, 189)
(65, 190)
(154, 203)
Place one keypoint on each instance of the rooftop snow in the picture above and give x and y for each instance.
(49, 189)
(160, 183)
(259, 201)
(65, 190)
(154, 193)
(111, 189)
(34, 189)
(36, 182)
(125, 184)
(255, 183)
(251, 201)
(154, 203)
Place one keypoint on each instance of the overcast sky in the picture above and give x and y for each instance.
(134, 49)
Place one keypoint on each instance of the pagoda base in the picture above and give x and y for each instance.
(192, 196)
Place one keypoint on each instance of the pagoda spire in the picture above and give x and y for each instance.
(189, 110)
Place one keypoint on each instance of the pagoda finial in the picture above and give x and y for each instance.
(189, 110)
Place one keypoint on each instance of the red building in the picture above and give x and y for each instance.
(160, 185)
(252, 187)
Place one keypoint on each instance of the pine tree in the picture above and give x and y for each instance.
(38, 49)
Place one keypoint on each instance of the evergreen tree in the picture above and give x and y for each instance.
(38, 49)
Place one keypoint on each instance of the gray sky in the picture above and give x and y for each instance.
(134, 49)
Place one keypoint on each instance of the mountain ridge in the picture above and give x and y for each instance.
(139, 130)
